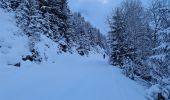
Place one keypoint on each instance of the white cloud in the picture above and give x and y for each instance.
(104, 1)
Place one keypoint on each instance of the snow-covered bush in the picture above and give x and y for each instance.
(159, 91)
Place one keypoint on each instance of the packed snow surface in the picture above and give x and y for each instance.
(70, 77)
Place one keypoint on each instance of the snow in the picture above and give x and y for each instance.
(163, 46)
(60, 76)
(154, 90)
(158, 57)
(71, 77)
(12, 43)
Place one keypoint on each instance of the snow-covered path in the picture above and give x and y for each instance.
(62, 77)
(70, 77)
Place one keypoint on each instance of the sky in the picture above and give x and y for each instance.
(96, 11)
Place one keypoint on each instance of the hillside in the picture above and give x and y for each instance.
(59, 76)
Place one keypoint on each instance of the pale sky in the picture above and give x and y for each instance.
(96, 11)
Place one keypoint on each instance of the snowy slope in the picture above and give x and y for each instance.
(58, 77)
(13, 44)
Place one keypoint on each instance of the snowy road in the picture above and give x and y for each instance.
(69, 78)
(63, 77)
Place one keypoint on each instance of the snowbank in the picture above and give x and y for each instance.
(13, 44)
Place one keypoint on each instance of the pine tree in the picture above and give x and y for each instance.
(129, 39)
(66, 25)
(86, 37)
(160, 58)
(10, 4)
(29, 20)
(116, 38)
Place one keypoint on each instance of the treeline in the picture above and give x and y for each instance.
(139, 42)
(54, 19)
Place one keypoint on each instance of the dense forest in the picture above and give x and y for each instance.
(54, 19)
(138, 41)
